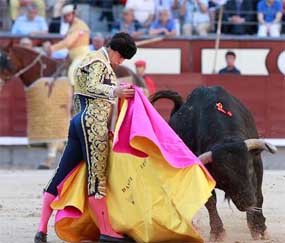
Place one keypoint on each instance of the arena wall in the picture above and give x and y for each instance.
(184, 64)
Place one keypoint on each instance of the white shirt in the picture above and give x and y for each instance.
(142, 9)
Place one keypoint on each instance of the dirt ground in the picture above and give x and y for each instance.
(20, 194)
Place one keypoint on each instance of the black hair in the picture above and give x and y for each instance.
(230, 53)
(124, 44)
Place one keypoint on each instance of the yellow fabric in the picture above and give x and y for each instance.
(147, 198)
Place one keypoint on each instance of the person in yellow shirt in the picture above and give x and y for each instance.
(17, 5)
(76, 40)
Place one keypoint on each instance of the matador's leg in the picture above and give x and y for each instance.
(70, 159)
(95, 126)
(95, 131)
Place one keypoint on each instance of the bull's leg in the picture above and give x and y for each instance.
(256, 219)
(217, 232)
(256, 222)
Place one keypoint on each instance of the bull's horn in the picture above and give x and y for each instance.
(206, 158)
(255, 143)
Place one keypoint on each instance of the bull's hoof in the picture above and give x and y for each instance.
(218, 236)
(260, 235)
(265, 235)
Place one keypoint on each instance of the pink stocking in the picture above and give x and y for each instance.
(46, 212)
(99, 208)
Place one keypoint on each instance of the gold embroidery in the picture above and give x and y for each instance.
(95, 77)
(95, 126)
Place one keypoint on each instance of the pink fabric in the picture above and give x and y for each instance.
(46, 212)
(67, 212)
(142, 120)
(99, 208)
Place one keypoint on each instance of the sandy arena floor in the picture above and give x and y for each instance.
(20, 193)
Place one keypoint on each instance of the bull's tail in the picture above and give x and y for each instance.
(168, 94)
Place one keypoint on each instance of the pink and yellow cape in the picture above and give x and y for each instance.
(155, 183)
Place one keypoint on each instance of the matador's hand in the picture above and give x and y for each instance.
(125, 91)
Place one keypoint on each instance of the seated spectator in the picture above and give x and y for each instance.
(26, 42)
(128, 24)
(230, 68)
(17, 7)
(144, 11)
(30, 23)
(237, 13)
(164, 25)
(269, 18)
(97, 42)
(195, 17)
(149, 83)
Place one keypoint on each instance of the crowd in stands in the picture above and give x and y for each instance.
(149, 17)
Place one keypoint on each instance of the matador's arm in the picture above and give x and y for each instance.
(98, 82)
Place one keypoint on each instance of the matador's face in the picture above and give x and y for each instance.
(115, 58)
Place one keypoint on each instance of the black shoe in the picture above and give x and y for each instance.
(40, 237)
(107, 238)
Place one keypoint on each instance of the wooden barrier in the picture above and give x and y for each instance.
(263, 95)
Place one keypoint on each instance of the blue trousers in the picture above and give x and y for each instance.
(88, 141)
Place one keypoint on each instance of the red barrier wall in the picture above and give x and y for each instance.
(263, 95)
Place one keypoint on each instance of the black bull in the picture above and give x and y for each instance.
(219, 128)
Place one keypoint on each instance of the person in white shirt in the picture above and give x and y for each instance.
(144, 11)
(30, 23)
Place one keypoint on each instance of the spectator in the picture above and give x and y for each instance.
(97, 42)
(195, 17)
(144, 11)
(230, 68)
(237, 14)
(173, 8)
(26, 43)
(149, 83)
(17, 7)
(164, 25)
(30, 23)
(269, 18)
(128, 24)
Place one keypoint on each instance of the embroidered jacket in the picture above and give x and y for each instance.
(94, 77)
